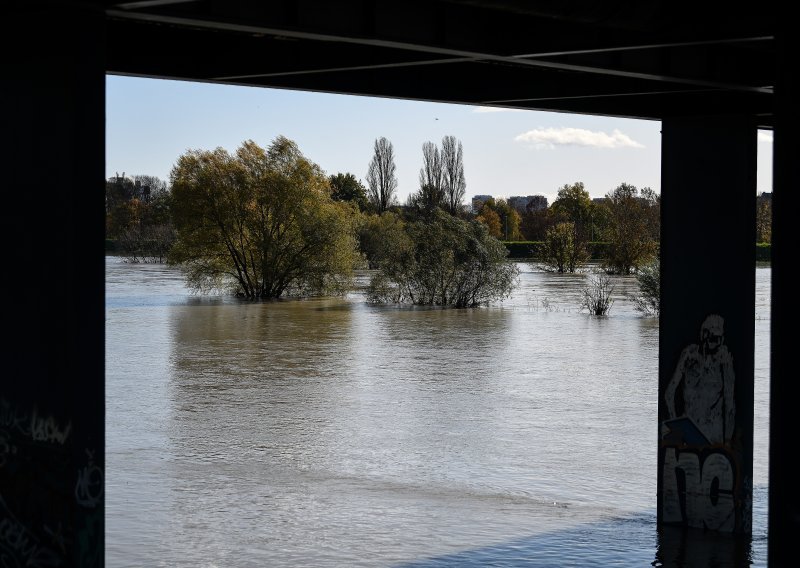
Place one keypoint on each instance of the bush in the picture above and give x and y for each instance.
(441, 260)
(149, 244)
(597, 295)
(648, 301)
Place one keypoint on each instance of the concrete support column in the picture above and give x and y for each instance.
(705, 454)
(52, 394)
(784, 432)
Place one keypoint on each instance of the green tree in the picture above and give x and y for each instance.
(346, 187)
(260, 223)
(147, 186)
(509, 220)
(561, 251)
(489, 217)
(381, 177)
(574, 205)
(378, 234)
(119, 190)
(444, 261)
(124, 216)
(157, 210)
(648, 300)
(502, 220)
(651, 204)
(630, 236)
(535, 224)
(764, 220)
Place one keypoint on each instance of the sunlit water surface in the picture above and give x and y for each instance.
(329, 432)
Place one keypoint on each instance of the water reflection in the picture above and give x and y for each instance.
(330, 433)
(693, 548)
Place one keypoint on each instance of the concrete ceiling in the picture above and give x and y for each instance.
(636, 59)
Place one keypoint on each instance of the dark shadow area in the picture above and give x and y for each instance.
(636, 542)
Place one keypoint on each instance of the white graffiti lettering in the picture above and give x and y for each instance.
(20, 546)
(89, 486)
(716, 493)
(707, 492)
(39, 428)
(46, 429)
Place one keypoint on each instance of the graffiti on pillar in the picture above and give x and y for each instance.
(699, 474)
(705, 410)
(34, 510)
(698, 490)
(51, 508)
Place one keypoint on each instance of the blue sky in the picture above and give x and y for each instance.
(150, 122)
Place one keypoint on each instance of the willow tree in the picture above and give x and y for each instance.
(632, 228)
(574, 205)
(260, 223)
(441, 260)
(561, 251)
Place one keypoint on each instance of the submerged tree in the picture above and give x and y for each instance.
(442, 260)
(631, 232)
(596, 297)
(561, 250)
(378, 235)
(648, 300)
(260, 222)
(574, 205)
(763, 220)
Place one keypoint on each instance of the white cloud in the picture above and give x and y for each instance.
(765, 136)
(496, 109)
(565, 136)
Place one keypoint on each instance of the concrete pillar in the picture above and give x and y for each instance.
(705, 454)
(52, 394)
(784, 499)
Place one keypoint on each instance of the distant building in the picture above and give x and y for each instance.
(528, 203)
(765, 196)
(478, 201)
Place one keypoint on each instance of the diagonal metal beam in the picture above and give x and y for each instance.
(344, 69)
(643, 47)
(456, 53)
(135, 5)
(598, 96)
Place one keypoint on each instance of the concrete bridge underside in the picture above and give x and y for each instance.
(712, 77)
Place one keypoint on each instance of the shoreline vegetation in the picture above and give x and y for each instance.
(268, 222)
(520, 250)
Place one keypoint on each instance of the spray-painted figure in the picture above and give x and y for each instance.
(705, 371)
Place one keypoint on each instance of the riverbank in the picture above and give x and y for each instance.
(529, 250)
(598, 250)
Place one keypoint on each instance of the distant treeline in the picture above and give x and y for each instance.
(598, 250)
